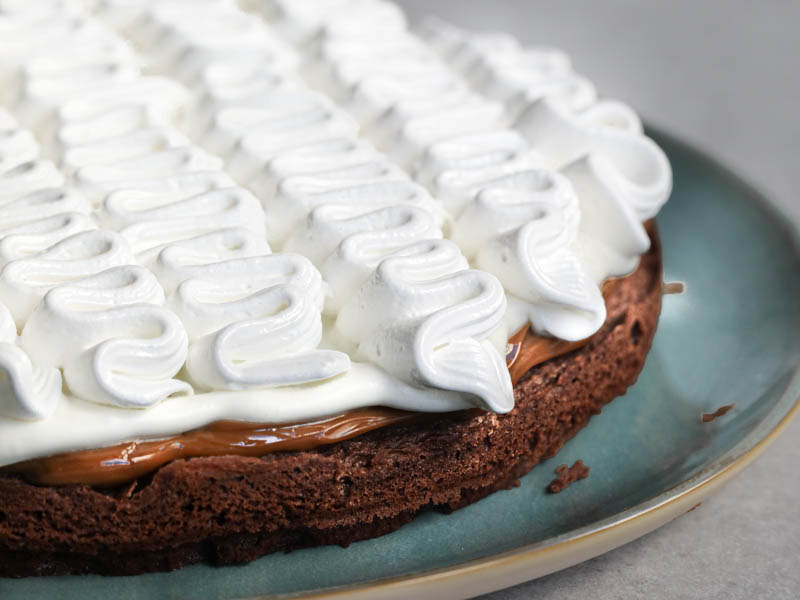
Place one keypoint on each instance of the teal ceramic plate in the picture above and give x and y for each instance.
(732, 337)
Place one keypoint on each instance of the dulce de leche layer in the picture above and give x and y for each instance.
(115, 465)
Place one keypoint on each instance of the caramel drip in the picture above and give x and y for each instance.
(535, 350)
(115, 465)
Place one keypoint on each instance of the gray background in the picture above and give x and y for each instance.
(725, 76)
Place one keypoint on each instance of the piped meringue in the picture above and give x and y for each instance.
(113, 340)
(27, 392)
(255, 322)
(427, 319)
(423, 319)
(25, 281)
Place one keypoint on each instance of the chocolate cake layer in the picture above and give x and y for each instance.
(234, 509)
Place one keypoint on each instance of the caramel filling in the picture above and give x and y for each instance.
(115, 465)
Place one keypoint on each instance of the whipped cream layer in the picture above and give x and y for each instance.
(213, 214)
(333, 198)
(543, 185)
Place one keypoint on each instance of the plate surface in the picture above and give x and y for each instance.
(732, 337)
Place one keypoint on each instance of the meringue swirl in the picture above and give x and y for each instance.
(523, 228)
(116, 344)
(27, 392)
(490, 156)
(255, 322)
(348, 244)
(620, 176)
(35, 210)
(25, 281)
(31, 224)
(432, 303)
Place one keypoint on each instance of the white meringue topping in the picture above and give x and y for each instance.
(541, 188)
(27, 392)
(255, 322)
(114, 342)
(33, 223)
(422, 315)
(25, 281)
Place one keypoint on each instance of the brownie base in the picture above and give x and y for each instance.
(233, 509)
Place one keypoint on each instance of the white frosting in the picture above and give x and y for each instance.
(161, 96)
(35, 211)
(522, 228)
(131, 145)
(98, 180)
(26, 391)
(250, 82)
(193, 257)
(299, 21)
(338, 65)
(457, 168)
(150, 221)
(255, 322)
(8, 329)
(36, 221)
(24, 282)
(497, 65)
(126, 15)
(550, 254)
(419, 127)
(29, 177)
(40, 51)
(348, 244)
(599, 145)
(40, 94)
(298, 196)
(425, 318)
(326, 156)
(112, 340)
(335, 200)
(17, 146)
(608, 134)
(375, 307)
(252, 136)
(183, 47)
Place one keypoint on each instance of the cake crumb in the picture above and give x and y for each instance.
(568, 475)
(708, 417)
(673, 287)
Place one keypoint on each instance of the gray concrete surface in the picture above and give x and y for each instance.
(724, 75)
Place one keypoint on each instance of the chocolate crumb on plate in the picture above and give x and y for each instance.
(673, 287)
(567, 476)
(722, 410)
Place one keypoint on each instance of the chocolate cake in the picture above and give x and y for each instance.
(230, 509)
(282, 273)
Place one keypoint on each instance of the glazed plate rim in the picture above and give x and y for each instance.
(530, 561)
